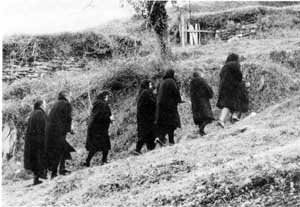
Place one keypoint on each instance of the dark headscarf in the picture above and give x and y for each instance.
(145, 84)
(169, 74)
(102, 95)
(196, 74)
(62, 95)
(37, 104)
(232, 58)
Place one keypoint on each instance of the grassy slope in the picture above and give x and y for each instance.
(123, 130)
(194, 170)
(226, 166)
(231, 166)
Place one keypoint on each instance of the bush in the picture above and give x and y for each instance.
(126, 79)
(276, 85)
(264, 17)
(17, 90)
(281, 20)
(65, 45)
(124, 45)
(279, 3)
(291, 59)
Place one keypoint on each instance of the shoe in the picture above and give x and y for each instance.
(220, 124)
(36, 182)
(202, 133)
(64, 172)
(104, 162)
(44, 176)
(171, 143)
(157, 141)
(235, 119)
(86, 164)
(136, 152)
(53, 175)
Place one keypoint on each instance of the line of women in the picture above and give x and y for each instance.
(46, 147)
(157, 113)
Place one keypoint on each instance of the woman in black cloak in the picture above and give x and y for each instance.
(146, 104)
(233, 96)
(34, 151)
(97, 133)
(200, 93)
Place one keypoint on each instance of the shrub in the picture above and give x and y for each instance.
(124, 45)
(126, 79)
(291, 59)
(17, 90)
(65, 45)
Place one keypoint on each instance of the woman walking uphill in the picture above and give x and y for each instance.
(59, 123)
(35, 142)
(200, 93)
(232, 94)
(167, 116)
(146, 105)
(97, 133)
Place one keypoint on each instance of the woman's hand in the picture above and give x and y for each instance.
(112, 118)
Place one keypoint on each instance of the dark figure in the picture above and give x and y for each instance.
(58, 125)
(200, 93)
(167, 116)
(34, 157)
(146, 105)
(97, 133)
(244, 99)
(233, 96)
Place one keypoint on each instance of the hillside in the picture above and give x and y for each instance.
(253, 162)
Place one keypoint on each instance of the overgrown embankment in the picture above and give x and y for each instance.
(270, 65)
(254, 162)
(241, 19)
(271, 81)
(24, 55)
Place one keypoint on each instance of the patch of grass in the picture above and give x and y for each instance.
(216, 170)
(122, 77)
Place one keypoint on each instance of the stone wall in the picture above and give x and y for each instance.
(37, 69)
(237, 30)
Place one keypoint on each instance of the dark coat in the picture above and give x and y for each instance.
(244, 98)
(200, 93)
(146, 114)
(35, 141)
(97, 133)
(168, 98)
(231, 91)
(58, 125)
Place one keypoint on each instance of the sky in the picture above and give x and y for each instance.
(52, 16)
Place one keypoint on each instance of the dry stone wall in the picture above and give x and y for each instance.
(37, 69)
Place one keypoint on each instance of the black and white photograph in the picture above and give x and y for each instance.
(150, 103)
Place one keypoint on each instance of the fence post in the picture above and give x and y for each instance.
(182, 30)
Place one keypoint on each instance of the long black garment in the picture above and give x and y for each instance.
(58, 125)
(230, 87)
(145, 119)
(168, 98)
(97, 134)
(34, 151)
(200, 93)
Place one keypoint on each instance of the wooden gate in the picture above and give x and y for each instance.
(193, 34)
